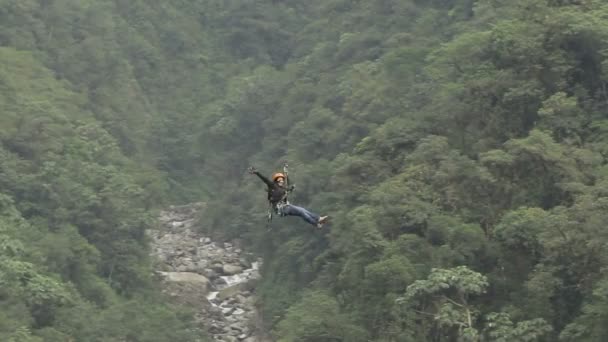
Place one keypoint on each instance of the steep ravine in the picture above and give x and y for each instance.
(216, 279)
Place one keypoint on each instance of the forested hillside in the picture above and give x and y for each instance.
(459, 145)
(78, 183)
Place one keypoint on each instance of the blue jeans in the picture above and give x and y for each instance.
(294, 210)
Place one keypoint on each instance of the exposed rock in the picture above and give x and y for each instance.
(185, 277)
(219, 268)
(245, 263)
(234, 290)
(228, 311)
(217, 280)
(237, 327)
(210, 274)
(231, 269)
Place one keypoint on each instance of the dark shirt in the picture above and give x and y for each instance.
(276, 193)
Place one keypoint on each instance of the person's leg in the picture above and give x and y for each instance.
(294, 210)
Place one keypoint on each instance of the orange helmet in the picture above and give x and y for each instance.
(277, 175)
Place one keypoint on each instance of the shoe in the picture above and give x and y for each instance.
(322, 221)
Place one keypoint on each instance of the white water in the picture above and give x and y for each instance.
(240, 277)
(232, 280)
(212, 295)
(229, 313)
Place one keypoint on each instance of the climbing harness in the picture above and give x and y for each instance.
(278, 208)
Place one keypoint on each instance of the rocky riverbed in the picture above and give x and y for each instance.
(216, 279)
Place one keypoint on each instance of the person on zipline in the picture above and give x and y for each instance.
(278, 190)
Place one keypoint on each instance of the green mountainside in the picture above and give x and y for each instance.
(459, 146)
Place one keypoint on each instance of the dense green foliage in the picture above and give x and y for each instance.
(77, 188)
(459, 145)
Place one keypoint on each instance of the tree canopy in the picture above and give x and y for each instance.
(459, 146)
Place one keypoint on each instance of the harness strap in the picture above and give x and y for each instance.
(278, 208)
(270, 209)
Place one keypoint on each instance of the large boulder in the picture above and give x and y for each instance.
(191, 288)
(234, 290)
(229, 269)
(185, 277)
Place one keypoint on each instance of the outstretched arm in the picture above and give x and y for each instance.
(253, 171)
